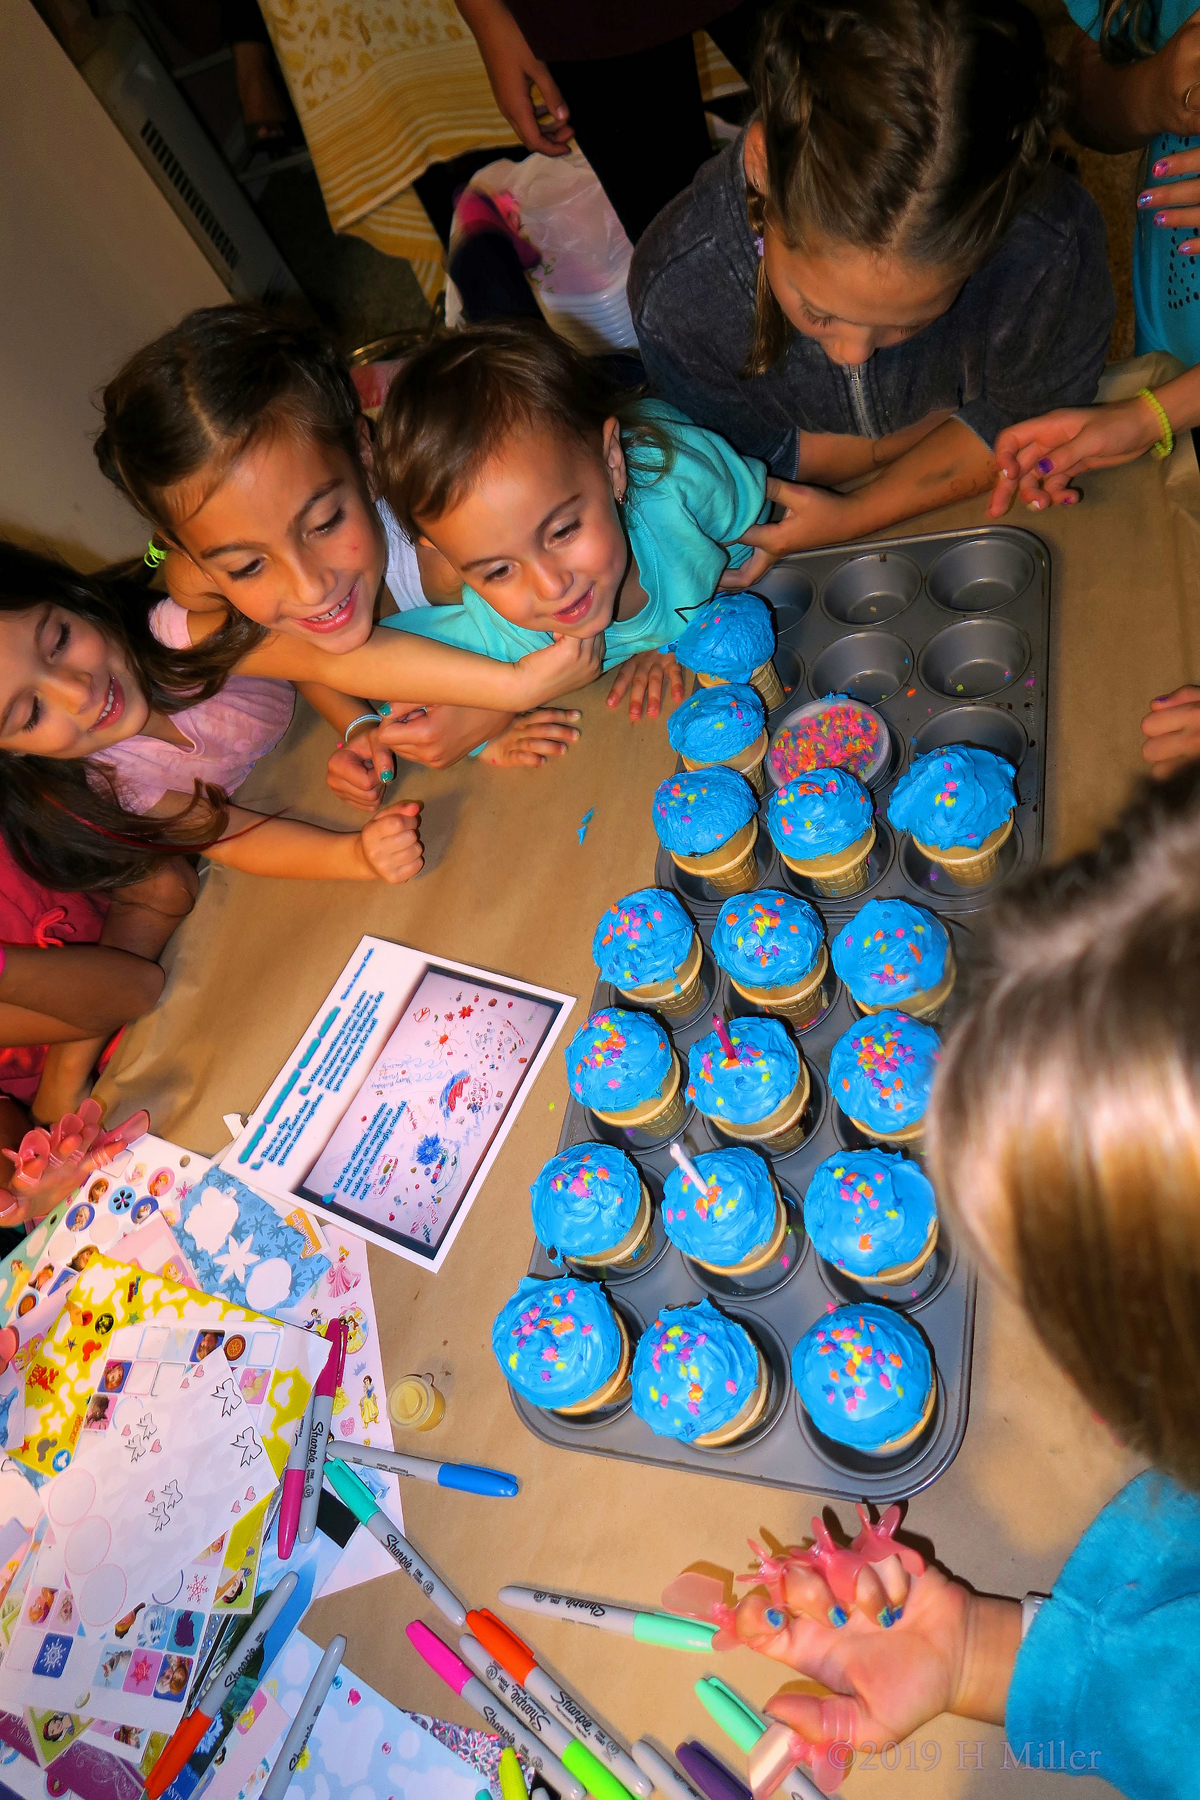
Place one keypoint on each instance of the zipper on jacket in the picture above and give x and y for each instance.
(860, 399)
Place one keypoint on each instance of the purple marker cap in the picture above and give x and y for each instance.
(718, 1782)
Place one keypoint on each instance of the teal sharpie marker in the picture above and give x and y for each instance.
(669, 1629)
(366, 1509)
(746, 1727)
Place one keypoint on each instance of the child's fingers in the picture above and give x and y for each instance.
(895, 1580)
(556, 716)
(620, 686)
(675, 676)
(1172, 721)
(1180, 696)
(831, 1727)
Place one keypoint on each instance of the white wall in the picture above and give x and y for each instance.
(93, 263)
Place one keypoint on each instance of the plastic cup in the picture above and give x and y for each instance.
(416, 1404)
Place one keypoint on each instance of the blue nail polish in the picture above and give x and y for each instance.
(776, 1619)
(385, 710)
(1145, 199)
(887, 1618)
(1160, 218)
(838, 1615)
(897, 1614)
(1045, 465)
(387, 774)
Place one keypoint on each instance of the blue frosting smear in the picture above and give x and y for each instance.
(732, 636)
(618, 1060)
(866, 1210)
(693, 1371)
(889, 951)
(819, 814)
(953, 797)
(882, 1068)
(699, 811)
(557, 1341)
(863, 1375)
(737, 1214)
(585, 1200)
(760, 1075)
(717, 723)
(643, 938)
(767, 939)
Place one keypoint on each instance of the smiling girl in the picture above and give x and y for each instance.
(883, 271)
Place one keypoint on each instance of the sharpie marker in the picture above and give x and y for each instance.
(747, 1729)
(191, 1729)
(362, 1503)
(519, 1660)
(469, 1478)
(647, 1627)
(710, 1775)
(573, 1755)
(293, 1486)
(661, 1774)
(280, 1778)
(455, 1673)
(328, 1383)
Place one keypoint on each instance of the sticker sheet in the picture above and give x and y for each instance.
(241, 1249)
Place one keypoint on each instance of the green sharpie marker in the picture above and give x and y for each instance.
(745, 1727)
(670, 1629)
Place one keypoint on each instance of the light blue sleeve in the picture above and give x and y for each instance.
(1105, 1682)
(720, 490)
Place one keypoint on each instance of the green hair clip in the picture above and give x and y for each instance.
(154, 558)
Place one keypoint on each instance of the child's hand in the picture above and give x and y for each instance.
(390, 844)
(1040, 456)
(531, 739)
(1172, 731)
(944, 1649)
(812, 517)
(358, 770)
(438, 736)
(643, 678)
(562, 667)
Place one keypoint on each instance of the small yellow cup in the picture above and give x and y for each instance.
(416, 1404)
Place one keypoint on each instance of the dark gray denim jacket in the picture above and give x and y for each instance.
(1029, 331)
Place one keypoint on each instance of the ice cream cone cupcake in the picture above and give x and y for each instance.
(880, 1074)
(752, 1082)
(865, 1377)
(957, 805)
(823, 826)
(726, 725)
(772, 947)
(622, 1066)
(737, 1224)
(895, 954)
(733, 639)
(872, 1215)
(708, 823)
(699, 1377)
(591, 1206)
(561, 1346)
(648, 948)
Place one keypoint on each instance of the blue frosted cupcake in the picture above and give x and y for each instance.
(865, 1377)
(957, 805)
(754, 1084)
(650, 951)
(722, 725)
(561, 1345)
(880, 1074)
(699, 1377)
(873, 1215)
(738, 1225)
(708, 822)
(622, 1066)
(733, 639)
(590, 1204)
(895, 954)
(772, 947)
(823, 826)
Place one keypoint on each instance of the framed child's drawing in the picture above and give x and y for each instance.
(393, 1106)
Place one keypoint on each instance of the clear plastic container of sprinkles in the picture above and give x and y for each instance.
(987, 689)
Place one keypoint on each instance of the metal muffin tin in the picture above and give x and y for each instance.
(892, 624)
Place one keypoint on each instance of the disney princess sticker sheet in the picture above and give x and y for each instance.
(394, 1105)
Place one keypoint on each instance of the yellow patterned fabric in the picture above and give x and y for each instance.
(383, 89)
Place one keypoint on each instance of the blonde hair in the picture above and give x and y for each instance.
(1064, 1127)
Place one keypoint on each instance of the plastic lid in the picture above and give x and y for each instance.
(411, 1400)
(836, 732)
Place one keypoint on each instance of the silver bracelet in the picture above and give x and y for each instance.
(362, 719)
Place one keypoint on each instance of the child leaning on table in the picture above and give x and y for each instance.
(564, 505)
(1064, 1139)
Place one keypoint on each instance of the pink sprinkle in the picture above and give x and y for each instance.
(731, 1387)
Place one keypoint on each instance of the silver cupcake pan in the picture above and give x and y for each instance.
(778, 1304)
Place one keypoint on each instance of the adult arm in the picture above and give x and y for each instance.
(514, 71)
(1117, 107)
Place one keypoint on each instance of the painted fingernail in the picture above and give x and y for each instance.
(1146, 199)
(1161, 168)
(384, 711)
(775, 1619)
(387, 775)
(1160, 218)
(1045, 465)
(897, 1613)
(1187, 249)
(838, 1615)
(886, 1618)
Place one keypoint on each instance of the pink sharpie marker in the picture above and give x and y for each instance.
(293, 1485)
(328, 1383)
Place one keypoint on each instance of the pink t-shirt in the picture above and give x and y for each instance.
(227, 734)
